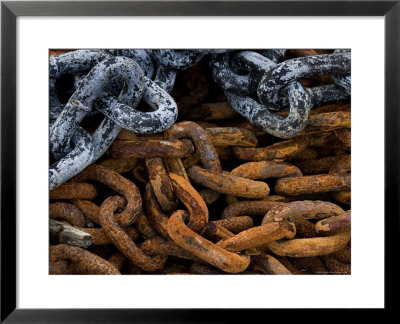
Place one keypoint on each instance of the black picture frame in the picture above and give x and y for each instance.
(10, 10)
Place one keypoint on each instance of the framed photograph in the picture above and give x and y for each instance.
(206, 151)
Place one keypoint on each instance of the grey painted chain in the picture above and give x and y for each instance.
(112, 83)
(93, 91)
(277, 86)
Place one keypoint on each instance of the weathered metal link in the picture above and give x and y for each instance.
(161, 184)
(273, 81)
(215, 232)
(334, 224)
(252, 208)
(157, 245)
(68, 212)
(127, 117)
(151, 148)
(81, 102)
(253, 62)
(228, 184)
(304, 228)
(88, 208)
(278, 151)
(100, 237)
(122, 241)
(231, 136)
(275, 55)
(310, 247)
(198, 135)
(74, 190)
(269, 265)
(154, 212)
(258, 236)
(75, 161)
(313, 184)
(306, 209)
(328, 121)
(228, 79)
(119, 184)
(202, 248)
(193, 201)
(262, 117)
(88, 261)
(207, 153)
(234, 225)
(74, 62)
(343, 81)
(266, 169)
(177, 59)
(103, 137)
(69, 63)
(140, 56)
(165, 77)
(327, 94)
(259, 65)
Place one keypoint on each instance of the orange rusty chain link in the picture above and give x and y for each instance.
(161, 184)
(122, 240)
(220, 194)
(119, 184)
(202, 248)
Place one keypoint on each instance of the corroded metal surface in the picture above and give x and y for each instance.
(202, 248)
(67, 212)
(119, 184)
(279, 151)
(309, 247)
(270, 265)
(313, 184)
(141, 148)
(258, 236)
(193, 201)
(74, 190)
(161, 184)
(257, 208)
(334, 224)
(305, 209)
(100, 237)
(89, 261)
(227, 184)
(266, 169)
(122, 241)
(255, 145)
(231, 136)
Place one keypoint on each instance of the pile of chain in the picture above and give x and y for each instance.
(200, 162)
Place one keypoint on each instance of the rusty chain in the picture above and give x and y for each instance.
(200, 162)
